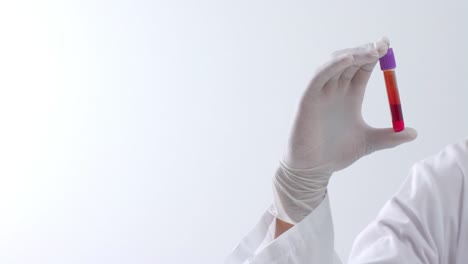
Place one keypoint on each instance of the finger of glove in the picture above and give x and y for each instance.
(335, 84)
(331, 69)
(363, 74)
(382, 46)
(362, 56)
(384, 138)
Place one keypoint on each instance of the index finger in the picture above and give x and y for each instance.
(329, 70)
(363, 74)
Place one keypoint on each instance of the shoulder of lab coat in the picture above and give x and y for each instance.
(425, 222)
(310, 241)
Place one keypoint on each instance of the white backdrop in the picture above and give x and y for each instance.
(148, 131)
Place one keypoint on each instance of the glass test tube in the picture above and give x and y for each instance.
(388, 65)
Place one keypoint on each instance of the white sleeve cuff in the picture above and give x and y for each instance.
(310, 241)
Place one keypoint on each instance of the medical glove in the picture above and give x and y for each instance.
(329, 132)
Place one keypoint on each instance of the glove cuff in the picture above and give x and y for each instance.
(296, 193)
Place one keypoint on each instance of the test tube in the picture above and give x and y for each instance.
(388, 65)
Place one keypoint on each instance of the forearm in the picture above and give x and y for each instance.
(281, 227)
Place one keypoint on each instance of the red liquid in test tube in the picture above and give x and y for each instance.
(388, 65)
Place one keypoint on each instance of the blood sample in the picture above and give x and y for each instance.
(388, 65)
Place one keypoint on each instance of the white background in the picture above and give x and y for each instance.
(148, 131)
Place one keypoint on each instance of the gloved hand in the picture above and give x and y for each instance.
(329, 132)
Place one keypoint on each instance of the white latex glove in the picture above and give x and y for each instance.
(329, 133)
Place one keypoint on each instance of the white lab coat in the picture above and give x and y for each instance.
(425, 222)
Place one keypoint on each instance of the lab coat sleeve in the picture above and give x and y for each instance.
(421, 223)
(310, 241)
